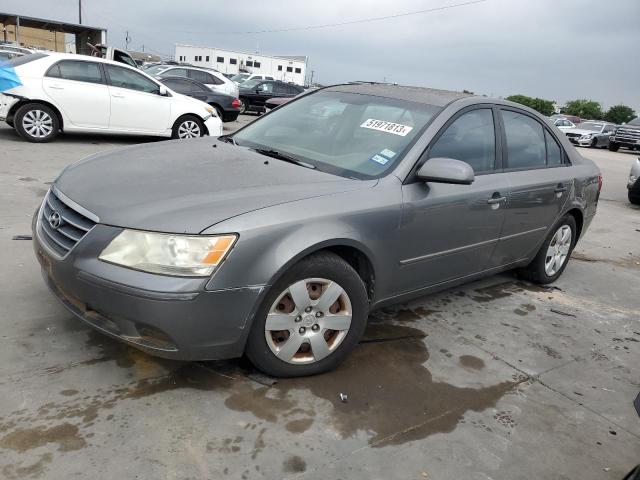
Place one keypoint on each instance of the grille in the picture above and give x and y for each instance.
(573, 135)
(628, 133)
(72, 228)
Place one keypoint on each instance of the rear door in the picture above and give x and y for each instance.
(264, 91)
(450, 231)
(540, 182)
(136, 103)
(79, 89)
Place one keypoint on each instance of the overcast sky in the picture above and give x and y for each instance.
(554, 49)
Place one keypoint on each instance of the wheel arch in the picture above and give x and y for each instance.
(578, 216)
(189, 114)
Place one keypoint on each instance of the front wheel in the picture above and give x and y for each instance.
(243, 106)
(614, 147)
(634, 198)
(188, 127)
(553, 256)
(310, 319)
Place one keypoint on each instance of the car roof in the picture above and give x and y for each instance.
(428, 96)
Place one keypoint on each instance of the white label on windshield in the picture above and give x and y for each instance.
(389, 127)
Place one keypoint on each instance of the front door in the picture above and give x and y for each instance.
(79, 89)
(540, 182)
(450, 231)
(136, 103)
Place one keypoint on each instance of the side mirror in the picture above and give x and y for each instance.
(446, 170)
(163, 91)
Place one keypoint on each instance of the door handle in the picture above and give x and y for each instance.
(56, 87)
(496, 200)
(117, 95)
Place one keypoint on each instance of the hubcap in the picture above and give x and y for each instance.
(558, 250)
(308, 321)
(189, 129)
(37, 123)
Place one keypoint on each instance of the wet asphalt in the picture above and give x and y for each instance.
(495, 379)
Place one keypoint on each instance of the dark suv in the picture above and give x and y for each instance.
(627, 135)
(254, 93)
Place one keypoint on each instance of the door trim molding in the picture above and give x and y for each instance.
(409, 261)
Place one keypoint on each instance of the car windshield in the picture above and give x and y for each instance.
(241, 77)
(251, 83)
(21, 60)
(347, 134)
(593, 127)
(155, 70)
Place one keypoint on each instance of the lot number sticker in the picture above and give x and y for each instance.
(389, 127)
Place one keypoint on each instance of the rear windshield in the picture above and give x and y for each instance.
(346, 134)
(16, 62)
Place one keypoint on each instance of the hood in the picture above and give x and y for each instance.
(185, 186)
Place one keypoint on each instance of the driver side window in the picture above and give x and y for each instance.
(470, 138)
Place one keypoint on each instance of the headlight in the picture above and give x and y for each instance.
(168, 254)
(587, 135)
(212, 111)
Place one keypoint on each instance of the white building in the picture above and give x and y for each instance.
(287, 68)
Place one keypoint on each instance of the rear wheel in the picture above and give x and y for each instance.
(310, 319)
(553, 256)
(188, 126)
(37, 123)
(243, 105)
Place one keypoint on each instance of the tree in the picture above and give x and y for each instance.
(620, 114)
(545, 107)
(584, 108)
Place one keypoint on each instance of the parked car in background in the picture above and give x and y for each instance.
(254, 93)
(240, 78)
(211, 78)
(563, 123)
(275, 102)
(627, 135)
(16, 48)
(77, 93)
(227, 106)
(571, 118)
(279, 241)
(6, 55)
(113, 54)
(591, 134)
(633, 185)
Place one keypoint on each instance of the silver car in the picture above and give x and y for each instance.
(591, 134)
(277, 241)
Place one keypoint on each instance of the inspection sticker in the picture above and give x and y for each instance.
(380, 159)
(389, 127)
(388, 153)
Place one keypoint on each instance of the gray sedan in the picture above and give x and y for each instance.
(277, 241)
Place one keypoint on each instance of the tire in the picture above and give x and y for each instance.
(37, 123)
(594, 143)
(243, 106)
(539, 271)
(220, 113)
(274, 351)
(634, 198)
(188, 126)
(614, 147)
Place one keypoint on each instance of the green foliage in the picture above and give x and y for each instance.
(545, 107)
(620, 114)
(584, 108)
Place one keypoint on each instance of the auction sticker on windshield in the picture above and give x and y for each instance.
(389, 127)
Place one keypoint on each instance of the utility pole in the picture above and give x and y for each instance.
(80, 12)
(127, 39)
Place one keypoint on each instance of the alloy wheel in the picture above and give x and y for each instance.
(37, 123)
(308, 321)
(189, 129)
(558, 250)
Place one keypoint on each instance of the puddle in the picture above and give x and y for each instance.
(506, 289)
(392, 398)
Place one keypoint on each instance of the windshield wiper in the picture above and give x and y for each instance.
(227, 139)
(269, 152)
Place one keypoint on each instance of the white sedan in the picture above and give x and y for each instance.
(76, 93)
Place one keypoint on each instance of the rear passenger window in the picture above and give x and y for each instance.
(76, 70)
(554, 153)
(525, 141)
(470, 138)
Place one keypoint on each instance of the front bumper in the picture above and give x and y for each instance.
(165, 316)
(583, 142)
(214, 126)
(6, 102)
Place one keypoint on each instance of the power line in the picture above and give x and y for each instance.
(340, 24)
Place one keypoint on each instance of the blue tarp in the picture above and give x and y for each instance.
(8, 77)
